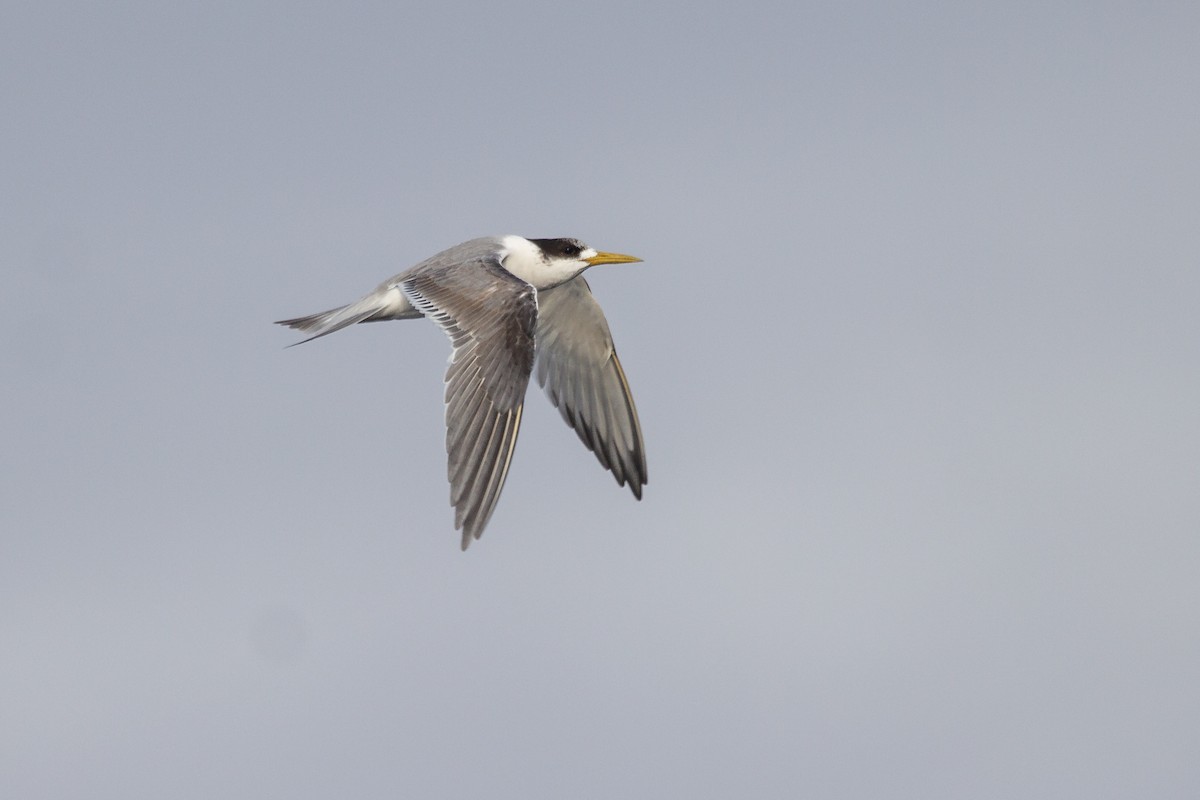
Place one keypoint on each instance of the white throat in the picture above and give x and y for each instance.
(526, 260)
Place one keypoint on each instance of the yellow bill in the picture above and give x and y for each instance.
(611, 258)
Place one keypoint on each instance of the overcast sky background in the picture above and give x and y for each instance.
(915, 346)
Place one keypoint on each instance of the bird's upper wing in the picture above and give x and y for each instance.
(578, 367)
(490, 317)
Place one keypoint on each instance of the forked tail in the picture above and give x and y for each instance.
(326, 322)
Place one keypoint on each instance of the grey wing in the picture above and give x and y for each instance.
(490, 317)
(578, 367)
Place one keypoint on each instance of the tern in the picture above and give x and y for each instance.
(509, 305)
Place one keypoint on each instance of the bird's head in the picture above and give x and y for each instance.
(549, 262)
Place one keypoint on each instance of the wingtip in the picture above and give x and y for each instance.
(468, 537)
(470, 531)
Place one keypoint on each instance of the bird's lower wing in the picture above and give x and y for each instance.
(578, 367)
(490, 317)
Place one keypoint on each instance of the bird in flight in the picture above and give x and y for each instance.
(510, 305)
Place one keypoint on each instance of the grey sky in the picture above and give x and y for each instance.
(915, 347)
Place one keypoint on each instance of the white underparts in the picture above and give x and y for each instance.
(394, 305)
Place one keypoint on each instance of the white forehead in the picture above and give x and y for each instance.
(522, 249)
(526, 260)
